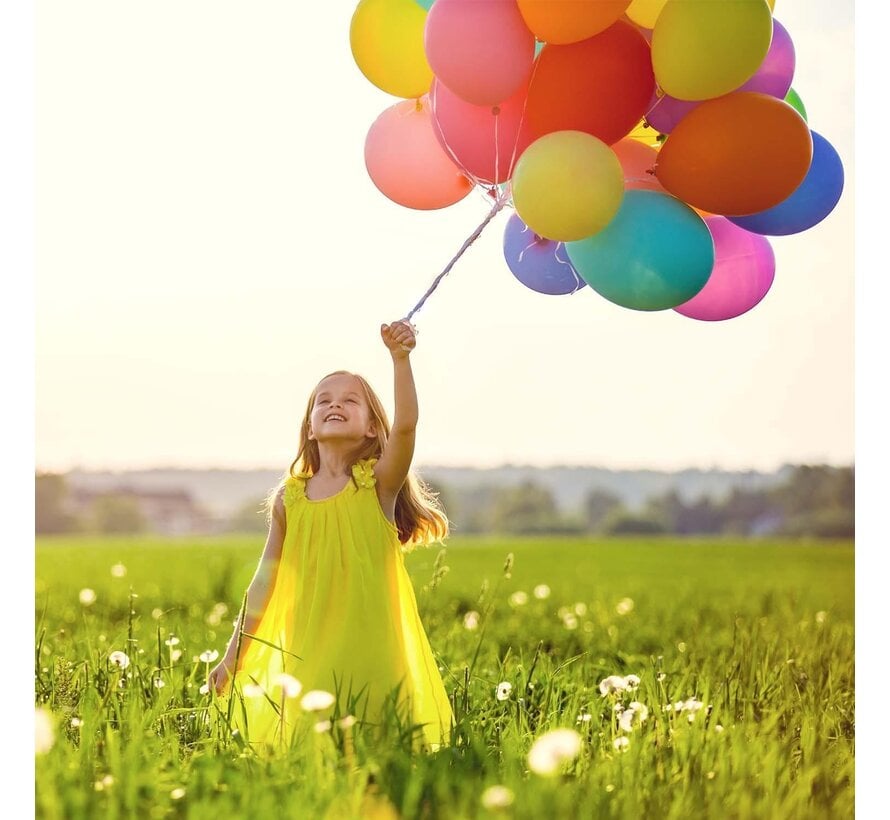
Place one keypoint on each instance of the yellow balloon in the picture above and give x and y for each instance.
(645, 12)
(386, 37)
(567, 185)
(706, 48)
(646, 134)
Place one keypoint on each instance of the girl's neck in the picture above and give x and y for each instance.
(334, 460)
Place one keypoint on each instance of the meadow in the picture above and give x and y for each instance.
(694, 678)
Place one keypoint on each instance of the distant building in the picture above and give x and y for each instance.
(166, 512)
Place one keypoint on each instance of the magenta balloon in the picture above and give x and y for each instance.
(773, 77)
(481, 49)
(744, 267)
(485, 141)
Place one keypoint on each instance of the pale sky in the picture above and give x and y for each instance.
(209, 245)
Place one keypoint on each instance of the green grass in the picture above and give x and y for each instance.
(761, 632)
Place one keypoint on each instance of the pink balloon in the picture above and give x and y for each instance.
(744, 267)
(485, 141)
(637, 160)
(481, 49)
(773, 77)
(406, 161)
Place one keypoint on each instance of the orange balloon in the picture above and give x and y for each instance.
(638, 164)
(737, 154)
(601, 85)
(568, 21)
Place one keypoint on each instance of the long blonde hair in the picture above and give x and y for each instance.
(420, 518)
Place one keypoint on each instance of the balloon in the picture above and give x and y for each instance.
(425, 3)
(646, 134)
(567, 185)
(406, 162)
(637, 163)
(568, 21)
(744, 267)
(482, 51)
(794, 100)
(810, 203)
(386, 37)
(645, 12)
(540, 264)
(736, 155)
(773, 77)
(483, 143)
(600, 85)
(655, 254)
(703, 49)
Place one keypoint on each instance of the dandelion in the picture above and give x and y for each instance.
(87, 597)
(718, 728)
(497, 797)
(105, 783)
(44, 731)
(119, 659)
(157, 613)
(178, 793)
(712, 775)
(254, 690)
(610, 787)
(172, 641)
(624, 606)
(175, 655)
(541, 591)
(316, 700)
(504, 689)
(519, 598)
(159, 683)
(612, 684)
(553, 749)
(322, 726)
(209, 656)
(76, 722)
(584, 717)
(821, 615)
(118, 571)
(634, 715)
(660, 677)
(471, 620)
(570, 622)
(580, 609)
(632, 682)
(289, 685)
(620, 744)
(347, 722)
(205, 689)
(681, 647)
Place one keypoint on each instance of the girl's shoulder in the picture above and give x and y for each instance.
(294, 488)
(295, 485)
(363, 473)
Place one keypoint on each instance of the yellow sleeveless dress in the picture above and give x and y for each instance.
(343, 610)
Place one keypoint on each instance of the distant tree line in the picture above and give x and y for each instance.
(816, 501)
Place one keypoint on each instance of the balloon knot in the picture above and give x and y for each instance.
(496, 109)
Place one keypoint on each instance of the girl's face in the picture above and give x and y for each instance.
(340, 411)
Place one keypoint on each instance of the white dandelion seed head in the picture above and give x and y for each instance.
(541, 591)
(497, 797)
(504, 689)
(316, 700)
(584, 717)
(347, 722)
(87, 596)
(580, 609)
(660, 677)
(108, 781)
(519, 598)
(620, 744)
(552, 749)
(205, 689)
(471, 620)
(288, 683)
(254, 690)
(159, 683)
(157, 613)
(322, 726)
(691, 717)
(570, 622)
(118, 571)
(612, 685)
(681, 647)
(178, 793)
(632, 682)
(821, 615)
(718, 728)
(44, 730)
(175, 654)
(76, 722)
(691, 705)
(624, 606)
(172, 641)
(119, 659)
(208, 656)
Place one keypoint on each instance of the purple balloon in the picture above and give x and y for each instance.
(540, 264)
(773, 77)
(744, 268)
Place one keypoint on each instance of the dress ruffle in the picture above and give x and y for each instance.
(362, 474)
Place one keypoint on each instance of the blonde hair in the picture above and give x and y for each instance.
(420, 518)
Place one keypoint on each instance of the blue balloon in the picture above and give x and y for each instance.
(655, 254)
(540, 264)
(811, 201)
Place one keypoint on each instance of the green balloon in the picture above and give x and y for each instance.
(796, 103)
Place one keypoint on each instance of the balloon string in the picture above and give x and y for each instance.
(499, 203)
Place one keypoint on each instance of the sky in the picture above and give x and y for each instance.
(209, 245)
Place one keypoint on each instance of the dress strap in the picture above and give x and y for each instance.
(363, 473)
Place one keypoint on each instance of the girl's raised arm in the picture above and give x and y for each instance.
(395, 461)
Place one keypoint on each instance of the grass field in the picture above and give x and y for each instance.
(751, 644)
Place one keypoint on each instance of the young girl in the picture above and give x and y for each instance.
(331, 604)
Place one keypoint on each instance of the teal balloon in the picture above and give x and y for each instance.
(655, 254)
(425, 3)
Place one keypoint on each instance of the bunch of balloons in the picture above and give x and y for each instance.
(648, 147)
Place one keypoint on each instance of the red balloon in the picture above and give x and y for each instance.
(485, 141)
(601, 85)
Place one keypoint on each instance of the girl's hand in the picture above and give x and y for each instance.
(220, 675)
(400, 337)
